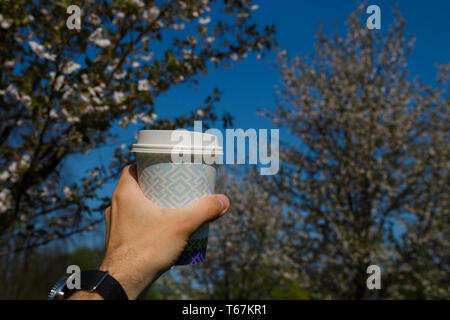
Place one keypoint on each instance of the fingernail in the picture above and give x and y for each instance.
(223, 202)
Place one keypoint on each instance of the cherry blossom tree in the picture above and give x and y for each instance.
(367, 176)
(63, 91)
(248, 255)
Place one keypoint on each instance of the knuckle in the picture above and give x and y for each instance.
(115, 195)
(213, 204)
(182, 223)
(124, 171)
(126, 168)
(118, 195)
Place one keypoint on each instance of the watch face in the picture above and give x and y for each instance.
(58, 290)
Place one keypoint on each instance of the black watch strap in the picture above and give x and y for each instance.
(102, 283)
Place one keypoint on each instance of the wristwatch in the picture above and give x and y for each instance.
(90, 280)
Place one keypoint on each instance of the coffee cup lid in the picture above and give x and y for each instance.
(182, 141)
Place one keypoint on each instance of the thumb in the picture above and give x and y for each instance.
(206, 209)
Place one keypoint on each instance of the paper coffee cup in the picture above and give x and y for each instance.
(171, 184)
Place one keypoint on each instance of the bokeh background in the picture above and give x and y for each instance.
(363, 119)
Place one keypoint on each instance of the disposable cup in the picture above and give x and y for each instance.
(171, 184)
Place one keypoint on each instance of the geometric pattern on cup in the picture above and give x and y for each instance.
(173, 185)
(196, 244)
(191, 257)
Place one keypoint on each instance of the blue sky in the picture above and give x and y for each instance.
(249, 86)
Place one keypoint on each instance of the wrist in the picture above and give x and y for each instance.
(130, 277)
(93, 285)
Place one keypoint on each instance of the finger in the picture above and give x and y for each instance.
(129, 177)
(107, 224)
(206, 209)
(128, 187)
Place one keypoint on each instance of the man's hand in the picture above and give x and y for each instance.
(144, 240)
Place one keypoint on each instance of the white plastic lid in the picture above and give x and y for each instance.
(168, 141)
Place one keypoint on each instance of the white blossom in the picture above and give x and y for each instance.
(243, 15)
(120, 15)
(113, 65)
(44, 192)
(26, 100)
(84, 98)
(102, 43)
(146, 57)
(102, 108)
(182, 5)
(204, 20)
(67, 192)
(59, 82)
(11, 94)
(53, 114)
(178, 26)
(120, 75)
(4, 176)
(95, 20)
(17, 165)
(4, 200)
(85, 78)
(40, 51)
(12, 168)
(71, 67)
(151, 14)
(117, 17)
(5, 23)
(98, 38)
(93, 173)
(214, 60)
(69, 118)
(24, 161)
(143, 85)
(187, 53)
(9, 63)
(139, 3)
(118, 97)
(145, 118)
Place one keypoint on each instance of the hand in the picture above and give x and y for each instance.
(144, 240)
